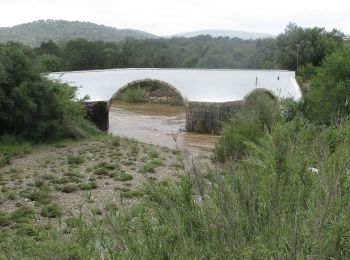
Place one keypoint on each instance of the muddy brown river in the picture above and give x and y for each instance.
(158, 124)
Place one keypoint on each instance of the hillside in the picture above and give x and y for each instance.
(58, 30)
(225, 33)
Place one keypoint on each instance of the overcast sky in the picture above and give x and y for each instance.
(165, 17)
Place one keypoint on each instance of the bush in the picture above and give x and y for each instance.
(258, 116)
(32, 106)
(328, 98)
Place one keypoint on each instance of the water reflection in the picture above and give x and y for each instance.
(157, 124)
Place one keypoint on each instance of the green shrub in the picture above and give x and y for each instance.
(258, 116)
(31, 105)
(328, 98)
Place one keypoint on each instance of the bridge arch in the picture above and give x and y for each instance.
(269, 93)
(147, 80)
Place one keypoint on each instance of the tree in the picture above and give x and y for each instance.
(49, 63)
(329, 96)
(314, 44)
(83, 55)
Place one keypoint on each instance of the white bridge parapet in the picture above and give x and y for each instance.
(201, 85)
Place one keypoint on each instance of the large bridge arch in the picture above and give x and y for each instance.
(148, 80)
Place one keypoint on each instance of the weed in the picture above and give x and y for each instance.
(148, 167)
(129, 194)
(88, 197)
(115, 141)
(122, 176)
(70, 187)
(51, 211)
(153, 154)
(75, 160)
(101, 171)
(74, 222)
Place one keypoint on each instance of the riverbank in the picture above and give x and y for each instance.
(55, 183)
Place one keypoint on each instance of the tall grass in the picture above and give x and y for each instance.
(268, 205)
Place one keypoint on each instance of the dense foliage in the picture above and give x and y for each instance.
(329, 96)
(30, 105)
(313, 45)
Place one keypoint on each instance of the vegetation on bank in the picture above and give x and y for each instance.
(32, 108)
(288, 197)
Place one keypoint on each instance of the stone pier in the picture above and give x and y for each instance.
(206, 117)
(98, 113)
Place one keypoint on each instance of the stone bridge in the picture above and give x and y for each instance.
(208, 94)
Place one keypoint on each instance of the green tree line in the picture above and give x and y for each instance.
(197, 52)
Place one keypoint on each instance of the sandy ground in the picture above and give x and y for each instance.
(84, 176)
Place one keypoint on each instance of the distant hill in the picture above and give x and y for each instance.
(60, 31)
(225, 33)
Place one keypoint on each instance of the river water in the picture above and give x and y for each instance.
(159, 125)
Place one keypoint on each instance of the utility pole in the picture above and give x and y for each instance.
(298, 45)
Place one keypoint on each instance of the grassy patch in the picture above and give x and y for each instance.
(51, 211)
(70, 187)
(11, 146)
(75, 160)
(149, 167)
(129, 194)
(21, 215)
(123, 176)
(42, 195)
(153, 154)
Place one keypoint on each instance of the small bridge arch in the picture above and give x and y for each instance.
(266, 91)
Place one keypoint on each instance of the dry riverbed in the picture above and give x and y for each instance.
(56, 183)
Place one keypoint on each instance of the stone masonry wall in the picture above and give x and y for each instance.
(206, 117)
(98, 113)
